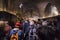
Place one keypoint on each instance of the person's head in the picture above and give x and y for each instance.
(17, 24)
(31, 22)
(7, 28)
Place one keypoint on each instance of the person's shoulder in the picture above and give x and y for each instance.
(20, 32)
(11, 31)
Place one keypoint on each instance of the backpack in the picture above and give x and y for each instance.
(14, 36)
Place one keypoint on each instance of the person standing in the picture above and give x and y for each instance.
(16, 33)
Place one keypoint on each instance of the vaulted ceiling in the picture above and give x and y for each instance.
(13, 5)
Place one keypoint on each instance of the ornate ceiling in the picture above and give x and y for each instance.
(12, 6)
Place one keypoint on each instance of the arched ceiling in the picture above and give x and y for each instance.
(12, 6)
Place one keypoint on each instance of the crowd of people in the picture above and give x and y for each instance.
(43, 29)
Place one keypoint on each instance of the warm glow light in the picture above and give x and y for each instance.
(1, 9)
(54, 11)
(12, 12)
(43, 17)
